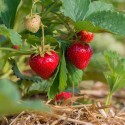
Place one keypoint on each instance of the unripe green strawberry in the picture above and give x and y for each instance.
(79, 54)
(32, 23)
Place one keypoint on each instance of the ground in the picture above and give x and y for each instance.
(74, 112)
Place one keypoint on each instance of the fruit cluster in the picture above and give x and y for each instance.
(46, 60)
(78, 53)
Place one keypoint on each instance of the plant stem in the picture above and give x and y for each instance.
(43, 39)
(31, 12)
(16, 51)
(108, 100)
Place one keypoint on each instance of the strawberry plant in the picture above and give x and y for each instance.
(52, 40)
(115, 75)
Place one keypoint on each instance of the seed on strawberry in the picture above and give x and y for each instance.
(63, 96)
(79, 54)
(32, 23)
(44, 66)
(85, 36)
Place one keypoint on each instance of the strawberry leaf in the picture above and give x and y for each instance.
(11, 34)
(15, 37)
(39, 87)
(75, 9)
(8, 16)
(51, 41)
(62, 74)
(98, 6)
(103, 21)
(87, 25)
(74, 75)
(53, 90)
(33, 40)
(54, 87)
(109, 20)
(115, 75)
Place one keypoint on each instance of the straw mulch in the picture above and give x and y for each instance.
(73, 112)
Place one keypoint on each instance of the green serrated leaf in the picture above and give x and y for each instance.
(75, 9)
(4, 30)
(8, 16)
(62, 74)
(64, 44)
(51, 41)
(111, 60)
(110, 79)
(54, 88)
(120, 83)
(109, 20)
(39, 87)
(17, 72)
(15, 38)
(98, 6)
(115, 75)
(87, 25)
(74, 75)
(33, 40)
(11, 34)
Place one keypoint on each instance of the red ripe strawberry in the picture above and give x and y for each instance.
(85, 36)
(44, 66)
(63, 96)
(79, 54)
(16, 47)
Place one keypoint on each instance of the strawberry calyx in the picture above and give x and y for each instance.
(47, 49)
